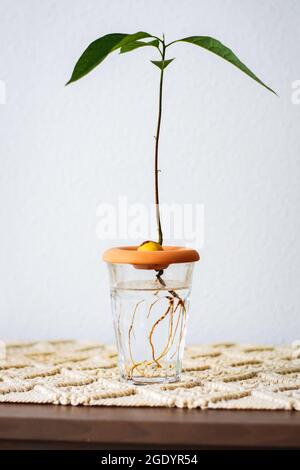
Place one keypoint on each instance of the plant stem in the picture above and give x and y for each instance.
(156, 169)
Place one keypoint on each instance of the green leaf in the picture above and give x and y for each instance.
(98, 50)
(131, 46)
(215, 46)
(134, 37)
(162, 64)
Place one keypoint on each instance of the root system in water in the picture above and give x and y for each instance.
(176, 314)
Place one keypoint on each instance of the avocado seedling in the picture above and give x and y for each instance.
(151, 311)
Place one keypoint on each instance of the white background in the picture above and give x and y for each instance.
(226, 142)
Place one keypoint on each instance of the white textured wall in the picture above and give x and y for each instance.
(226, 141)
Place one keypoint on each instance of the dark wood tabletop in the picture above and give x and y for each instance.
(68, 427)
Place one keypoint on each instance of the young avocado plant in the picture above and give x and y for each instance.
(150, 312)
(98, 50)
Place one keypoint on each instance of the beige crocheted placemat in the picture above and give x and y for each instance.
(227, 375)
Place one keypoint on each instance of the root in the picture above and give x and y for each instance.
(153, 329)
(170, 334)
(151, 306)
(182, 316)
(171, 310)
(130, 332)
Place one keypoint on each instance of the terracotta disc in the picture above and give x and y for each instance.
(150, 259)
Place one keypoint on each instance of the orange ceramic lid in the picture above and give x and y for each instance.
(150, 259)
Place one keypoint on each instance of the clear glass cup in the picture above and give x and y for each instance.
(150, 311)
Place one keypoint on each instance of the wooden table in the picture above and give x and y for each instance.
(62, 427)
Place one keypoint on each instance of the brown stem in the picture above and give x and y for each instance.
(156, 169)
